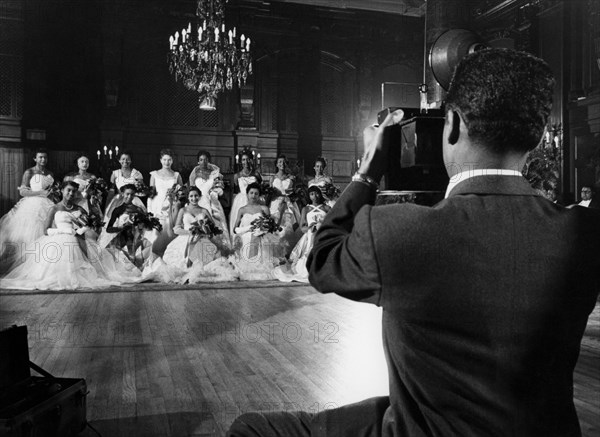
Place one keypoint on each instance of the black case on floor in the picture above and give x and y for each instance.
(36, 406)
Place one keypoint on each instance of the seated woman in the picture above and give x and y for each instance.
(312, 217)
(83, 178)
(257, 251)
(68, 257)
(27, 220)
(121, 235)
(190, 246)
(282, 208)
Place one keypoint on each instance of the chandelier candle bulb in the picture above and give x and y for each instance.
(110, 153)
(223, 28)
(234, 32)
(105, 149)
(230, 37)
(237, 158)
(248, 45)
(189, 29)
(116, 150)
(98, 153)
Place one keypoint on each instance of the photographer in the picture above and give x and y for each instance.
(482, 315)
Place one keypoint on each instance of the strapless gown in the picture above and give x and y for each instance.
(24, 223)
(240, 199)
(256, 255)
(63, 261)
(162, 208)
(291, 232)
(295, 269)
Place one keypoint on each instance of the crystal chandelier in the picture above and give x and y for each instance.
(207, 57)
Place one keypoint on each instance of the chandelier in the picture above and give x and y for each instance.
(207, 57)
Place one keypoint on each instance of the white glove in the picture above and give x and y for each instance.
(243, 229)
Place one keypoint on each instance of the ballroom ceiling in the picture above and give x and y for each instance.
(414, 8)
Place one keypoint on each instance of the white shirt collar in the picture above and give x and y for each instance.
(463, 176)
(585, 203)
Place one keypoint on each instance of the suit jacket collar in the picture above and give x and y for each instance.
(494, 184)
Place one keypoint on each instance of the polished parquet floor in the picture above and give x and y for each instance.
(186, 361)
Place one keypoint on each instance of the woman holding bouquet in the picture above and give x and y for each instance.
(192, 252)
(164, 205)
(283, 210)
(246, 176)
(312, 217)
(208, 178)
(68, 256)
(120, 177)
(83, 178)
(27, 220)
(258, 249)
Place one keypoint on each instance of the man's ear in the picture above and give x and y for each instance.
(454, 119)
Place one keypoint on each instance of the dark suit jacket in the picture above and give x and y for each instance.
(485, 299)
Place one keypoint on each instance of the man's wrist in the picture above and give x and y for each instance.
(365, 179)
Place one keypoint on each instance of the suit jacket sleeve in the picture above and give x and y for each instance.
(343, 258)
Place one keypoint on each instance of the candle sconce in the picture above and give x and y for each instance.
(107, 159)
(256, 159)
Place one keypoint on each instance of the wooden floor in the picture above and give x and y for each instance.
(187, 361)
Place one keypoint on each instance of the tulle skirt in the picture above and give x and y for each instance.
(240, 199)
(65, 262)
(256, 257)
(182, 252)
(21, 226)
(295, 268)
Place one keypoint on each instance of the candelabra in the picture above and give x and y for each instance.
(107, 159)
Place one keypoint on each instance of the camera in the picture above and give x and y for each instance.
(415, 154)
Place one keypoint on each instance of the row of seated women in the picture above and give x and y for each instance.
(124, 253)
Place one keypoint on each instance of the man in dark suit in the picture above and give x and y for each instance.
(485, 296)
(587, 197)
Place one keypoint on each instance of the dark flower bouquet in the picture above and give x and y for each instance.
(269, 193)
(177, 193)
(95, 190)
(204, 228)
(264, 224)
(90, 220)
(54, 192)
(331, 191)
(143, 190)
(145, 220)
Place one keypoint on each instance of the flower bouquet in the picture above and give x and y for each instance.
(95, 190)
(89, 220)
(143, 190)
(54, 192)
(145, 220)
(269, 193)
(263, 225)
(331, 191)
(204, 228)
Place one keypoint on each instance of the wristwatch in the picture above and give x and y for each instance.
(360, 177)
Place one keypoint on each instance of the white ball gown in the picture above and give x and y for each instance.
(290, 222)
(80, 199)
(240, 199)
(210, 202)
(295, 269)
(24, 223)
(161, 206)
(257, 253)
(63, 261)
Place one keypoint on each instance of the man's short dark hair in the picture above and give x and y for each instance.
(505, 97)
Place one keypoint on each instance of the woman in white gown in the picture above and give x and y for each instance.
(82, 177)
(321, 180)
(67, 258)
(28, 219)
(282, 208)
(197, 257)
(241, 180)
(208, 178)
(164, 205)
(123, 176)
(257, 252)
(312, 217)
